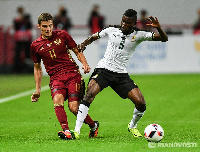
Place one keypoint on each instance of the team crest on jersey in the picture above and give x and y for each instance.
(95, 76)
(133, 39)
(49, 45)
(57, 41)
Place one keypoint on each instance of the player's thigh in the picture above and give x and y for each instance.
(74, 88)
(136, 96)
(100, 77)
(92, 90)
(58, 91)
(123, 86)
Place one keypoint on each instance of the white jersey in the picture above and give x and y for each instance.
(120, 47)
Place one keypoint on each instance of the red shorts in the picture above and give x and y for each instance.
(67, 84)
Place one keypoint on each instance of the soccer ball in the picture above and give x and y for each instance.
(154, 133)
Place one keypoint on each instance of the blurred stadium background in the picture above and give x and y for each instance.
(181, 54)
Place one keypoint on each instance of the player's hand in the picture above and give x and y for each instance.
(86, 68)
(81, 47)
(35, 97)
(154, 22)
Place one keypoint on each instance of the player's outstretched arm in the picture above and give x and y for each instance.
(83, 60)
(38, 80)
(162, 36)
(81, 47)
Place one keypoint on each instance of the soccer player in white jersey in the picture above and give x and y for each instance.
(111, 70)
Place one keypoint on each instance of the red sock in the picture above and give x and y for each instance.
(88, 120)
(62, 117)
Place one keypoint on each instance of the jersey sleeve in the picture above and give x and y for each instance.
(104, 32)
(69, 40)
(146, 36)
(35, 57)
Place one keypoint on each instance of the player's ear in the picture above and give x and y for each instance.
(38, 25)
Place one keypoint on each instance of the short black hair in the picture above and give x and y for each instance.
(143, 12)
(131, 13)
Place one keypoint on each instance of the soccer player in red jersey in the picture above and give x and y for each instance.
(53, 48)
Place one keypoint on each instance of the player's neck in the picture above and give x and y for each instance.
(129, 32)
(45, 37)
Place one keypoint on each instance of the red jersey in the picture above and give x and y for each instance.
(55, 53)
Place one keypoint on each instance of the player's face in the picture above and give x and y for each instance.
(127, 24)
(46, 28)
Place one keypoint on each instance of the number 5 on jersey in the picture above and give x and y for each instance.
(121, 46)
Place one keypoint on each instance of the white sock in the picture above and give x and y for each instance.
(82, 113)
(137, 115)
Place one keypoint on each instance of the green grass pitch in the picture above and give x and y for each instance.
(172, 101)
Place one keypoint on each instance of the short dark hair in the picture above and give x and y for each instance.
(143, 12)
(44, 17)
(131, 13)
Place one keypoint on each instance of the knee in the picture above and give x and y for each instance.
(89, 96)
(73, 108)
(58, 99)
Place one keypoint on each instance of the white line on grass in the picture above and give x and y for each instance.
(44, 88)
